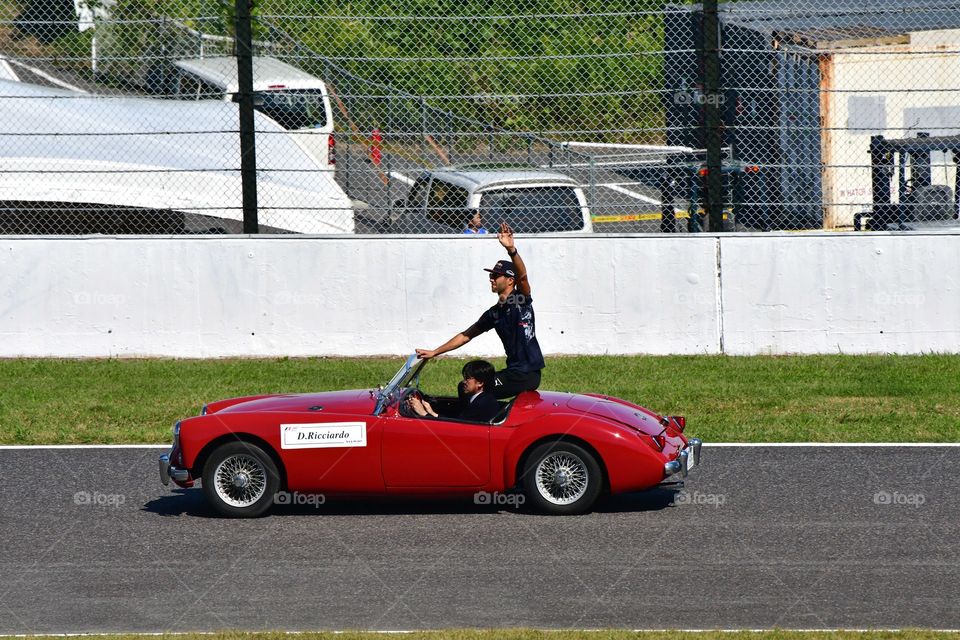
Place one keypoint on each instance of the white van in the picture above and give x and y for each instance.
(293, 98)
(166, 181)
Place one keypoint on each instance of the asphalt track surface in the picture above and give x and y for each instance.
(798, 537)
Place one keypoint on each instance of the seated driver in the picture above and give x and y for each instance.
(478, 404)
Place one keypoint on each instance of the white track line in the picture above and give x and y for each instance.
(828, 445)
(17, 447)
(106, 634)
(632, 194)
(49, 78)
(7, 72)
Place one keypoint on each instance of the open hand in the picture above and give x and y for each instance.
(505, 236)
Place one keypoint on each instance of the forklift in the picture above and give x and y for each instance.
(921, 204)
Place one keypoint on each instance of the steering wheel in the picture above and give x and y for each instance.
(405, 395)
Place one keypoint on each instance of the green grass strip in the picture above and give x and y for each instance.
(726, 399)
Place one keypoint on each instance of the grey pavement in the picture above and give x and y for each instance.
(759, 537)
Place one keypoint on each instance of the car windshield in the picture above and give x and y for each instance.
(295, 108)
(533, 210)
(408, 374)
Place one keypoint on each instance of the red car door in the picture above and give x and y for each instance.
(350, 468)
(420, 453)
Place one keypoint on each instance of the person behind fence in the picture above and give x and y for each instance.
(477, 404)
(513, 318)
(474, 223)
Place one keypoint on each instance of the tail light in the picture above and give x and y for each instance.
(680, 421)
(331, 149)
(660, 440)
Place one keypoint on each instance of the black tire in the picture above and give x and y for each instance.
(566, 462)
(236, 463)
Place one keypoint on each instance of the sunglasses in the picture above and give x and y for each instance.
(494, 276)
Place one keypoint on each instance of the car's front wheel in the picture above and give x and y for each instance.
(562, 478)
(240, 480)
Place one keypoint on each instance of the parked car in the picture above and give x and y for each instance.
(532, 200)
(293, 98)
(561, 451)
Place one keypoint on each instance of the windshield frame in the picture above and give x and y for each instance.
(409, 372)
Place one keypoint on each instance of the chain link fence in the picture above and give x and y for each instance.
(123, 116)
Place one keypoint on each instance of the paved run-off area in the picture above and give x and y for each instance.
(802, 537)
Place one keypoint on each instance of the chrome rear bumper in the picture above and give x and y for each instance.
(688, 458)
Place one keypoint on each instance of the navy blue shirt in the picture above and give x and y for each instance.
(515, 324)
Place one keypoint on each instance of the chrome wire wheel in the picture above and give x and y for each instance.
(562, 478)
(240, 480)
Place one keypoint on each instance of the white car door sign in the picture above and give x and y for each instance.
(323, 436)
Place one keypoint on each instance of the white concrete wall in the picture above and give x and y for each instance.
(841, 293)
(216, 296)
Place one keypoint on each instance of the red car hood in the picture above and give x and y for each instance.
(354, 401)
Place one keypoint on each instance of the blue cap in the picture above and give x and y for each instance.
(504, 267)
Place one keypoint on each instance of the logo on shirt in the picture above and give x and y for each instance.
(526, 321)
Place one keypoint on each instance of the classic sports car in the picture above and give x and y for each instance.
(560, 450)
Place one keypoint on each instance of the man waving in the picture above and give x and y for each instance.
(512, 316)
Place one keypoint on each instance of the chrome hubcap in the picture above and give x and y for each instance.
(562, 478)
(240, 480)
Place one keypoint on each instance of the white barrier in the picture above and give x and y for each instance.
(841, 293)
(216, 296)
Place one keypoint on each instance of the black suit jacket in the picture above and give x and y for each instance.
(483, 408)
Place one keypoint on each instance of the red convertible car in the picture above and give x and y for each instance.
(560, 451)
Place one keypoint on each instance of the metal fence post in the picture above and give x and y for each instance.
(423, 127)
(593, 184)
(248, 145)
(347, 145)
(713, 127)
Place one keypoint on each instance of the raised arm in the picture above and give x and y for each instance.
(455, 342)
(506, 239)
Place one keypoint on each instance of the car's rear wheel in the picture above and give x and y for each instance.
(240, 480)
(562, 478)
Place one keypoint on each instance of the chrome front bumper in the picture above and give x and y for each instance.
(689, 458)
(168, 471)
